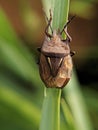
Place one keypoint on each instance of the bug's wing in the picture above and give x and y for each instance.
(54, 64)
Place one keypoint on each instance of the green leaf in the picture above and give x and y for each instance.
(75, 100)
(14, 55)
(68, 115)
(59, 10)
(50, 112)
(15, 109)
(51, 105)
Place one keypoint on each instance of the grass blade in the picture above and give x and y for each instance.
(75, 100)
(14, 55)
(51, 105)
(51, 108)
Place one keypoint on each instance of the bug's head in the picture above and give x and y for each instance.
(55, 46)
(56, 36)
(57, 33)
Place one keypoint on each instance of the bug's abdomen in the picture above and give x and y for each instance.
(55, 73)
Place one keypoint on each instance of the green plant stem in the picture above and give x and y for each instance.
(60, 9)
(75, 100)
(67, 115)
(51, 109)
(51, 105)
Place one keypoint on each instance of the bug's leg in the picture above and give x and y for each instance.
(48, 25)
(48, 22)
(67, 23)
(68, 37)
(72, 53)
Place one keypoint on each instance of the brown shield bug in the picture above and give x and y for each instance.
(55, 64)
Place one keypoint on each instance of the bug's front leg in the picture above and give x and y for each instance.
(48, 22)
(48, 25)
(68, 37)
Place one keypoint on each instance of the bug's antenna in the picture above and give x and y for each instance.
(68, 22)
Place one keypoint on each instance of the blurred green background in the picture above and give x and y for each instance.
(22, 25)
